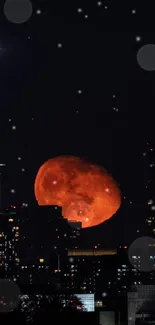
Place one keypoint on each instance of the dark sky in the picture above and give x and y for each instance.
(40, 80)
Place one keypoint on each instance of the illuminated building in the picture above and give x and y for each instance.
(141, 302)
(125, 271)
(53, 235)
(91, 271)
(129, 274)
(2, 166)
(75, 228)
(40, 277)
(9, 238)
(35, 275)
(49, 240)
(42, 239)
(92, 252)
(2, 253)
(150, 186)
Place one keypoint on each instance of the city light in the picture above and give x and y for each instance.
(41, 260)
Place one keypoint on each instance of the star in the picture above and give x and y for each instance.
(138, 38)
(38, 12)
(133, 11)
(150, 201)
(79, 10)
(14, 127)
(24, 204)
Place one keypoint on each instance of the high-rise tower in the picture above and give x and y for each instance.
(1, 174)
(9, 247)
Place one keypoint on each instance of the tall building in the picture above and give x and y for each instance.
(46, 235)
(141, 302)
(74, 233)
(9, 243)
(2, 166)
(150, 190)
(39, 276)
(127, 274)
(2, 251)
(38, 231)
(130, 273)
(90, 271)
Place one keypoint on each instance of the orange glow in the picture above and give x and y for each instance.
(86, 192)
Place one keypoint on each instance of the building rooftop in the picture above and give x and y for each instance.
(92, 252)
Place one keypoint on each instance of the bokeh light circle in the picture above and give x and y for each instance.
(71, 259)
(141, 254)
(146, 57)
(18, 11)
(9, 295)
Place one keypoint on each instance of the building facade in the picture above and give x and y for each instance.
(141, 302)
(9, 243)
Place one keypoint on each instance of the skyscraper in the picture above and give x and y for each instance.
(74, 233)
(2, 166)
(9, 246)
(91, 271)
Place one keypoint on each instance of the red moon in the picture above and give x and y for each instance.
(86, 192)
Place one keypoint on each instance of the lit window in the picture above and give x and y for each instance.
(41, 260)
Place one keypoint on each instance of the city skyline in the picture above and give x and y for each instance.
(77, 79)
(95, 275)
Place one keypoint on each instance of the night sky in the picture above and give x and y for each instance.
(71, 85)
